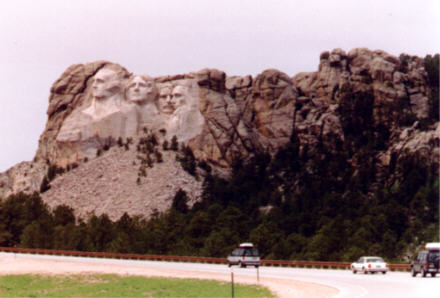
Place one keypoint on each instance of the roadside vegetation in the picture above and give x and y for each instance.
(289, 206)
(120, 286)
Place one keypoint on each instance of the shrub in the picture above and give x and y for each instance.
(180, 201)
(120, 142)
(187, 160)
(174, 144)
(158, 156)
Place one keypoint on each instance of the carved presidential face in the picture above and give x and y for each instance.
(180, 94)
(140, 90)
(167, 105)
(105, 84)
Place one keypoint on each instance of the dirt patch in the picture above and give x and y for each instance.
(283, 288)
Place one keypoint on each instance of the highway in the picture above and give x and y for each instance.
(392, 284)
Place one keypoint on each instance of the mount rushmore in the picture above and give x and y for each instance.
(120, 108)
(220, 119)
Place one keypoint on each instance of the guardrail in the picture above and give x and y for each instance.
(277, 263)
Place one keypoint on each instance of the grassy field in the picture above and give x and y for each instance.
(120, 286)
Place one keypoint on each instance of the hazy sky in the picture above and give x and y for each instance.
(41, 38)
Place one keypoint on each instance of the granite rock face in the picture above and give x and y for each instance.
(98, 105)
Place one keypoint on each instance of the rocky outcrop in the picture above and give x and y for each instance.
(272, 105)
(390, 79)
(220, 118)
(421, 146)
(23, 177)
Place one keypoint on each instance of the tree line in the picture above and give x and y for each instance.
(288, 205)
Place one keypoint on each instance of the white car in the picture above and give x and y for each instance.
(244, 255)
(369, 264)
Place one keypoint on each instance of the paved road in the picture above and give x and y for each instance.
(393, 284)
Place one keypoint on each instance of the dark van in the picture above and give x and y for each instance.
(427, 261)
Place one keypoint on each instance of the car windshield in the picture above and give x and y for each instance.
(252, 252)
(375, 260)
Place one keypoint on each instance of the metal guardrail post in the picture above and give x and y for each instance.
(232, 283)
(258, 274)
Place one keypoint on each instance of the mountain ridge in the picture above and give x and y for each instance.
(354, 99)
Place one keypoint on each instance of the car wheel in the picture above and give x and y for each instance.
(433, 274)
(423, 273)
(384, 272)
(364, 271)
(413, 272)
(256, 266)
(354, 271)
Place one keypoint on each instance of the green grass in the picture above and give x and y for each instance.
(120, 286)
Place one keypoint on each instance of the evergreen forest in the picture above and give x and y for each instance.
(289, 206)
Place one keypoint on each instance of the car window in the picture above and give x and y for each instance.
(375, 260)
(433, 256)
(237, 252)
(251, 252)
(361, 260)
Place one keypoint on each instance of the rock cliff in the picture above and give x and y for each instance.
(113, 129)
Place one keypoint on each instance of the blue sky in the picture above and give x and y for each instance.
(41, 38)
